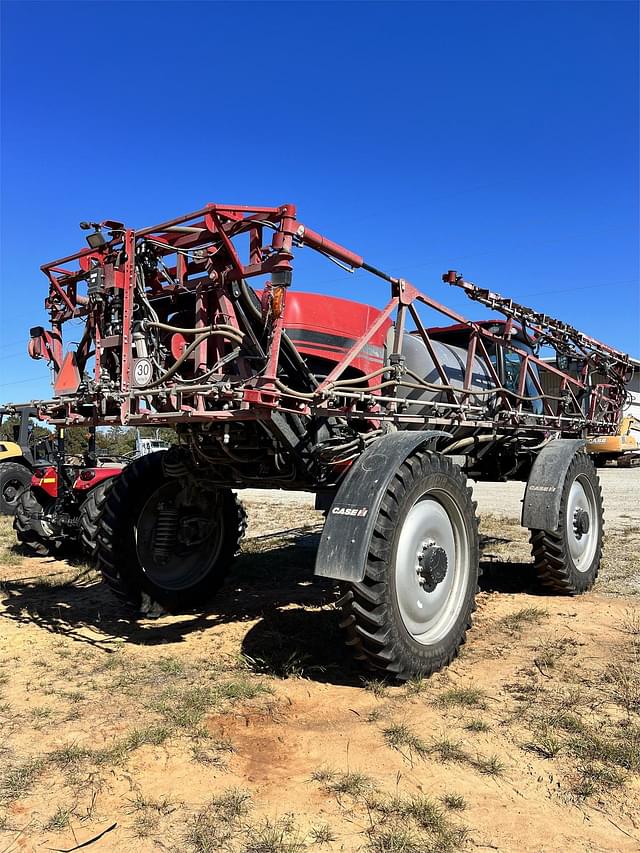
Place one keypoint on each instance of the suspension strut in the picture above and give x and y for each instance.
(165, 533)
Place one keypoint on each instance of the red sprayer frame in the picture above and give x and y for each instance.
(203, 258)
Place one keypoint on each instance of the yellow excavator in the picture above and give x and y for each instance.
(622, 448)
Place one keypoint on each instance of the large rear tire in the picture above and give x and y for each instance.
(159, 540)
(567, 560)
(14, 479)
(410, 613)
(89, 516)
(32, 529)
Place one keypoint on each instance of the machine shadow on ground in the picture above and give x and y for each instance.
(296, 626)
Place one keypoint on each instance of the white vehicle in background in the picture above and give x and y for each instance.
(149, 445)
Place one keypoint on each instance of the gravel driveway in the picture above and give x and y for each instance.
(620, 489)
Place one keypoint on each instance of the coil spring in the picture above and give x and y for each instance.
(174, 465)
(165, 532)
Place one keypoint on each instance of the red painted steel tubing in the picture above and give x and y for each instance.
(317, 241)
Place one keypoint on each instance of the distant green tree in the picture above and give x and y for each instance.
(9, 428)
(163, 433)
(116, 440)
(76, 440)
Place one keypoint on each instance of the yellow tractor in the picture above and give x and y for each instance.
(621, 448)
(19, 456)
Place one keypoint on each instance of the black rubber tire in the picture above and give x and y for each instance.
(89, 515)
(13, 472)
(374, 627)
(29, 529)
(550, 549)
(116, 552)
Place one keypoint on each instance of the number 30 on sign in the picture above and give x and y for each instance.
(142, 372)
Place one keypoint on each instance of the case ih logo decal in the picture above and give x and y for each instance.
(357, 511)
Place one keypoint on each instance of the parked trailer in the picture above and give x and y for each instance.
(383, 413)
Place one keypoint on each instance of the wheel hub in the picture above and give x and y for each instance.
(10, 491)
(432, 565)
(177, 542)
(580, 522)
(194, 530)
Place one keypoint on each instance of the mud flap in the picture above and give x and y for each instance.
(543, 495)
(344, 543)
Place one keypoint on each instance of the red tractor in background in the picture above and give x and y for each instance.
(59, 510)
(382, 413)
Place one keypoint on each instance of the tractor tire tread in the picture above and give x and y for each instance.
(116, 563)
(550, 549)
(90, 511)
(364, 604)
(20, 472)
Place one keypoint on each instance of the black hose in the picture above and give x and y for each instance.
(252, 302)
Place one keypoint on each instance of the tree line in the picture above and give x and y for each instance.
(115, 440)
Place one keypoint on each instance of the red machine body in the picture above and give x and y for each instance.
(195, 324)
(47, 478)
(91, 477)
(328, 327)
(176, 335)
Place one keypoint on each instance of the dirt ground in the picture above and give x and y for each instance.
(249, 730)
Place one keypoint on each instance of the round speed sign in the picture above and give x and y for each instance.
(142, 372)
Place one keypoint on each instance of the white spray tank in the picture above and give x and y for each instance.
(453, 360)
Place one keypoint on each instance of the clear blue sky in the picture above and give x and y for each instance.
(500, 139)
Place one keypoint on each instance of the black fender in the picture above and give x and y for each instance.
(344, 543)
(543, 495)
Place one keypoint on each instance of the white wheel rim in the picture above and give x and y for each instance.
(582, 543)
(434, 521)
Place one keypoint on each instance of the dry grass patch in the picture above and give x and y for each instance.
(413, 824)
(59, 820)
(396, 823)
(631, 622)
(452, 751)
(514, 623)
(580, 725)
(461, 697)
(322, 834)
(147, 814)
(477, 725)
(375, 686)
(225, 825)
(416, 686)
(213, 753)
(454, 802)
(18, 780)
(447, 750)
(219, 822)
(184, 709)
(552, 649)
(401, 738)
(623, 683)
(352, 783)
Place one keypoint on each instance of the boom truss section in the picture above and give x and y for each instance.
(190, 320)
